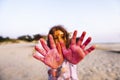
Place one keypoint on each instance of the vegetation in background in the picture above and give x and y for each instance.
(26, 38)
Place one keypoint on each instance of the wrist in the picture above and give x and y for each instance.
(54, 72)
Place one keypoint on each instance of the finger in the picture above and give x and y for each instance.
(52, 43)
(90, 49)
(38, 57)
(59, 48)
(81, 38)
(44, 45)
(73, 41)
(86, 42)
(63, 46)
(41, 51)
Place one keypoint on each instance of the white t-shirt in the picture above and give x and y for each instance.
(67, 71)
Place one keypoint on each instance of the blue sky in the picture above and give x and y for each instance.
(99, 18)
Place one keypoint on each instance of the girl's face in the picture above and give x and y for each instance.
(59, 36)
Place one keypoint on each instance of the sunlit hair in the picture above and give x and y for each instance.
(61, 28)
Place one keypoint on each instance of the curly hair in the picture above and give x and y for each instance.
(61, 28)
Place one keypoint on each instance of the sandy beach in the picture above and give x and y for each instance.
(17, 63)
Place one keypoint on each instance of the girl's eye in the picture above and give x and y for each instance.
(55, 38)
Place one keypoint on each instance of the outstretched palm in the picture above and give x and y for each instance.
(51, 56)
(76, 51)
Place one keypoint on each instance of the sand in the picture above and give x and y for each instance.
(17, 63)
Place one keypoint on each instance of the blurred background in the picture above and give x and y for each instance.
(99, 18)
(23, 22)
